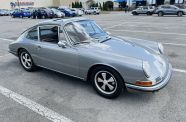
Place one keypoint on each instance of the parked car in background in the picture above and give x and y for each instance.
(58, 13)
(93, 10)
(68, 12)
(4, 12)
(42, 13)
(171, 10)
(148, 10)
(77, 11)
(80, 48)
(21, 13)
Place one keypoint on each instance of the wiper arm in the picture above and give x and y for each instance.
(81, 42)
(108, 38)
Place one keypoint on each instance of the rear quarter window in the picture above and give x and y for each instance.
(32, 34)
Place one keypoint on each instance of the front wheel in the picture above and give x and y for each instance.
(180, 13)
(107, 82)
(26, 60)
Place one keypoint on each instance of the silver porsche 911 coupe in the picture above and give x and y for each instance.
(80, 48)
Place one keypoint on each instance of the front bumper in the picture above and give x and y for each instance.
(156, 87)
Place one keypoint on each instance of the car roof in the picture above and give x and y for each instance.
(62, 21)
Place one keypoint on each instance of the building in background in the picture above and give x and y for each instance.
(111, 4)
(10, 4)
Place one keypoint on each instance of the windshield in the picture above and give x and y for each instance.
(85, 30)
(55, 10)
(48, 10)
(181, 6)
(77, 33)
(92, 28)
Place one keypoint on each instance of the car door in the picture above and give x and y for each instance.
(173, 10)
(52, 56)
(168, 10)
(144, 10)
(17, 13)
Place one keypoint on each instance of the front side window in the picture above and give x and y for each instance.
(32, 34)
(49, 34)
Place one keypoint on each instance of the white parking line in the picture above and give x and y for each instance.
(179, 70)
(43, 111)
(4, 55)
(183, 45)
(10, 40)
(165, 43)
(162, 33)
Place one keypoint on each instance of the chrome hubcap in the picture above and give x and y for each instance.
(26, 60)
(105, 82)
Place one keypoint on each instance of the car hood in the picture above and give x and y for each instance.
(117, 48)
(124, 48)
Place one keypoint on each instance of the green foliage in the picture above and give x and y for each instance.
(73, 5)
(77, 4)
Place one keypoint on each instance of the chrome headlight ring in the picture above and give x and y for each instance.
(146, 69)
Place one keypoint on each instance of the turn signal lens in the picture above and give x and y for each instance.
(143, 83)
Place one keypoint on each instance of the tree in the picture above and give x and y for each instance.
(73, 6)
(100, 6)
(80, 5)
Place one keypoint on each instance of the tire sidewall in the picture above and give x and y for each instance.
(33, 67)
(180, 13)
(119, 80)
(160, 14)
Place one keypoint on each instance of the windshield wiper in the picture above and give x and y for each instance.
(81, 42)
(106, 39)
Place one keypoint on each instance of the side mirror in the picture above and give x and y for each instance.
(62, 44)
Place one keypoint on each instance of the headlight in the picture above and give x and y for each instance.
(146, 69)
(161, 48)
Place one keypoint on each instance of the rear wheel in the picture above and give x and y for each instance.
(107, 82)
(134, 13)
(160, 13)
(26, 60)
(180, 13)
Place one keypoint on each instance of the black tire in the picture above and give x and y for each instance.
(148, 13)
(106, 89)
(55, 16)
(180, 14)
(43, 17)
(32, 66)
(134, 13)
(32, 17)
(160, 13)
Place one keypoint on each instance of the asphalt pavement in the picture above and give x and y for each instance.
(44, 95)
